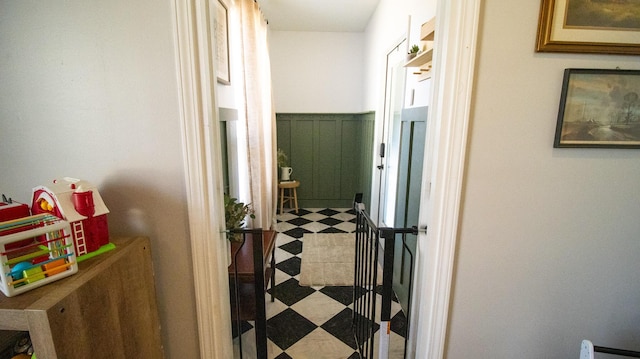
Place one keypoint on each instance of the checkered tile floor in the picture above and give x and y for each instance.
(311, 322)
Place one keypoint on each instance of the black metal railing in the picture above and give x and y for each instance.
(247, 290)
(588, 350)
(614, 351)
(364, 283)
(369, 241)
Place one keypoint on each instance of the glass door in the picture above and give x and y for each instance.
(389, 149)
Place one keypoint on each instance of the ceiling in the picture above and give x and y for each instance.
(318, 15)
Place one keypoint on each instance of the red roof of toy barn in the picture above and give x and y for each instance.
(61, 192)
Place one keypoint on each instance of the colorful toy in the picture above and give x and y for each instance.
(67, 224)
(79, 203)
(11, 210)
(34, 251)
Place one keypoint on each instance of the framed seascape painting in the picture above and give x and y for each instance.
(599, 108)
(589, 26)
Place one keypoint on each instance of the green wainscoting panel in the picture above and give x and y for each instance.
(330, 155)
(301, 155)
(225, 156)
(326, 157)
(350, 159)
(283, 129)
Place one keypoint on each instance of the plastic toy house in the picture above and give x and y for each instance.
(34, 251)
(79, 203)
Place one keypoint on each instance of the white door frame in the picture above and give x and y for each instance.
(457, 24)
(443, 172)
(203, 175)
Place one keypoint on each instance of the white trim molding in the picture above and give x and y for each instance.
(454, 61)
(203, 176)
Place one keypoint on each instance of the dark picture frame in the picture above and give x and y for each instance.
(599, 108)
(221, 35)
(589, 26)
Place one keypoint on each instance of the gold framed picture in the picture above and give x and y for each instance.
(589, 26)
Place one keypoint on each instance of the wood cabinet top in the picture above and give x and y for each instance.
(13, 310)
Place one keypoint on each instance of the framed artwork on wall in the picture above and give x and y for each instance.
(221, 35)
(599, 108)
(589, 26)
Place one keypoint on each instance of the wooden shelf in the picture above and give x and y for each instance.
(422, 62)
(428, 30)
(423, 75)
(421, 59)
(106, 310)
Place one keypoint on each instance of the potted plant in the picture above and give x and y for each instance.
(413, 51)
(285, 170)
(282, 158)
(235, 214)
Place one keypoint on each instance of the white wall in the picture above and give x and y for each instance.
(390, 22)
(88, 89)
(317, 72)
(548, 244)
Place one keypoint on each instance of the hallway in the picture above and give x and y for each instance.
(311, 322)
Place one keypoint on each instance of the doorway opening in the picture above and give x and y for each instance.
(389, 148)
(453, 83)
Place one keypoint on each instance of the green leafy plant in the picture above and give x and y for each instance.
(282, 158)
(235, 214)
(414, 49)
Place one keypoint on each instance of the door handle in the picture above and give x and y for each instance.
(417, 230)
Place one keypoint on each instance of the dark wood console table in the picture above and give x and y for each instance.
(252, 266)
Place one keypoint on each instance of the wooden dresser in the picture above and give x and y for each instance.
(106, 310)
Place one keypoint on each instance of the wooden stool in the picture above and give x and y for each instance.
(292, 197)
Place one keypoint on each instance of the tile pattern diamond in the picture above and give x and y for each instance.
(288, 327)
(290, 266)
(296, 232)
(294, 247)
(311, 322)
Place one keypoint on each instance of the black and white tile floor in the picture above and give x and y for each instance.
(311, 322)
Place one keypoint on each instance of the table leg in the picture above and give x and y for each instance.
(259, 287)
(281, 199)
(273, 272)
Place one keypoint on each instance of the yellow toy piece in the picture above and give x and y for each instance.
(45, 205)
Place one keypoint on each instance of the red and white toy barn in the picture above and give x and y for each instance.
(79, 203)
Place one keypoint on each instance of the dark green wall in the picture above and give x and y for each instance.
(225, 156)
(330, 155)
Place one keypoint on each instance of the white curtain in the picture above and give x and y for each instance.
(259, 114)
